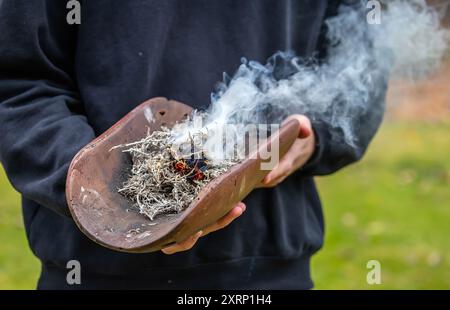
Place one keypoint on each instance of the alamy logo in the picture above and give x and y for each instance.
(74, 15)
(374, 15)
(374, 275)
(74, 273)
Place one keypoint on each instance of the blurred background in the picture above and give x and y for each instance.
(393, 206)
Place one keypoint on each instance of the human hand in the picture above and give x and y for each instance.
(187, 244)
(299, 153)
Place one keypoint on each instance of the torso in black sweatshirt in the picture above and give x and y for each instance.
(61, 85)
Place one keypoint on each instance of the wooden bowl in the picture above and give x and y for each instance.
(104, 215)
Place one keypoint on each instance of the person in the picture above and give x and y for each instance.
(62, 85)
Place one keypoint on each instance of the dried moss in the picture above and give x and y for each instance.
(154, 186)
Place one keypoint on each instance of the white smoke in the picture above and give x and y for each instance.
(410, 32)
(409, 42)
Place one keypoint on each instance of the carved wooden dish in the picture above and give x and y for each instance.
(96, 173)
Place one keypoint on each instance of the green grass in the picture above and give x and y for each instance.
(394, 207)
(19, 269)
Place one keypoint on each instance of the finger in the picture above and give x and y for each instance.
(231, 216)
(226, 219)
(275, 182)
(283, 168)
(305, 125)
(305, 129)
(182, 246)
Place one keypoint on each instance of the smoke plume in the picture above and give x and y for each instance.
(408, 42)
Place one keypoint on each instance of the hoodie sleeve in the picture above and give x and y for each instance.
(42, 125)
(332, 151)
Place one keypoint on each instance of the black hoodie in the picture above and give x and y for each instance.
(62, 85)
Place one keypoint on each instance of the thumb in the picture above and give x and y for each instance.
(305, 129)
(305, 125)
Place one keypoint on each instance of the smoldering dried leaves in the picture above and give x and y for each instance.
(154, 186)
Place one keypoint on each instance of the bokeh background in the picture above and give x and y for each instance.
(393, 206)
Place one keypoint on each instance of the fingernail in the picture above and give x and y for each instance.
(167, 252)
(243, 207)
(199, 234)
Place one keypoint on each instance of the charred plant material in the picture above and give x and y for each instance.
(161, 183)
